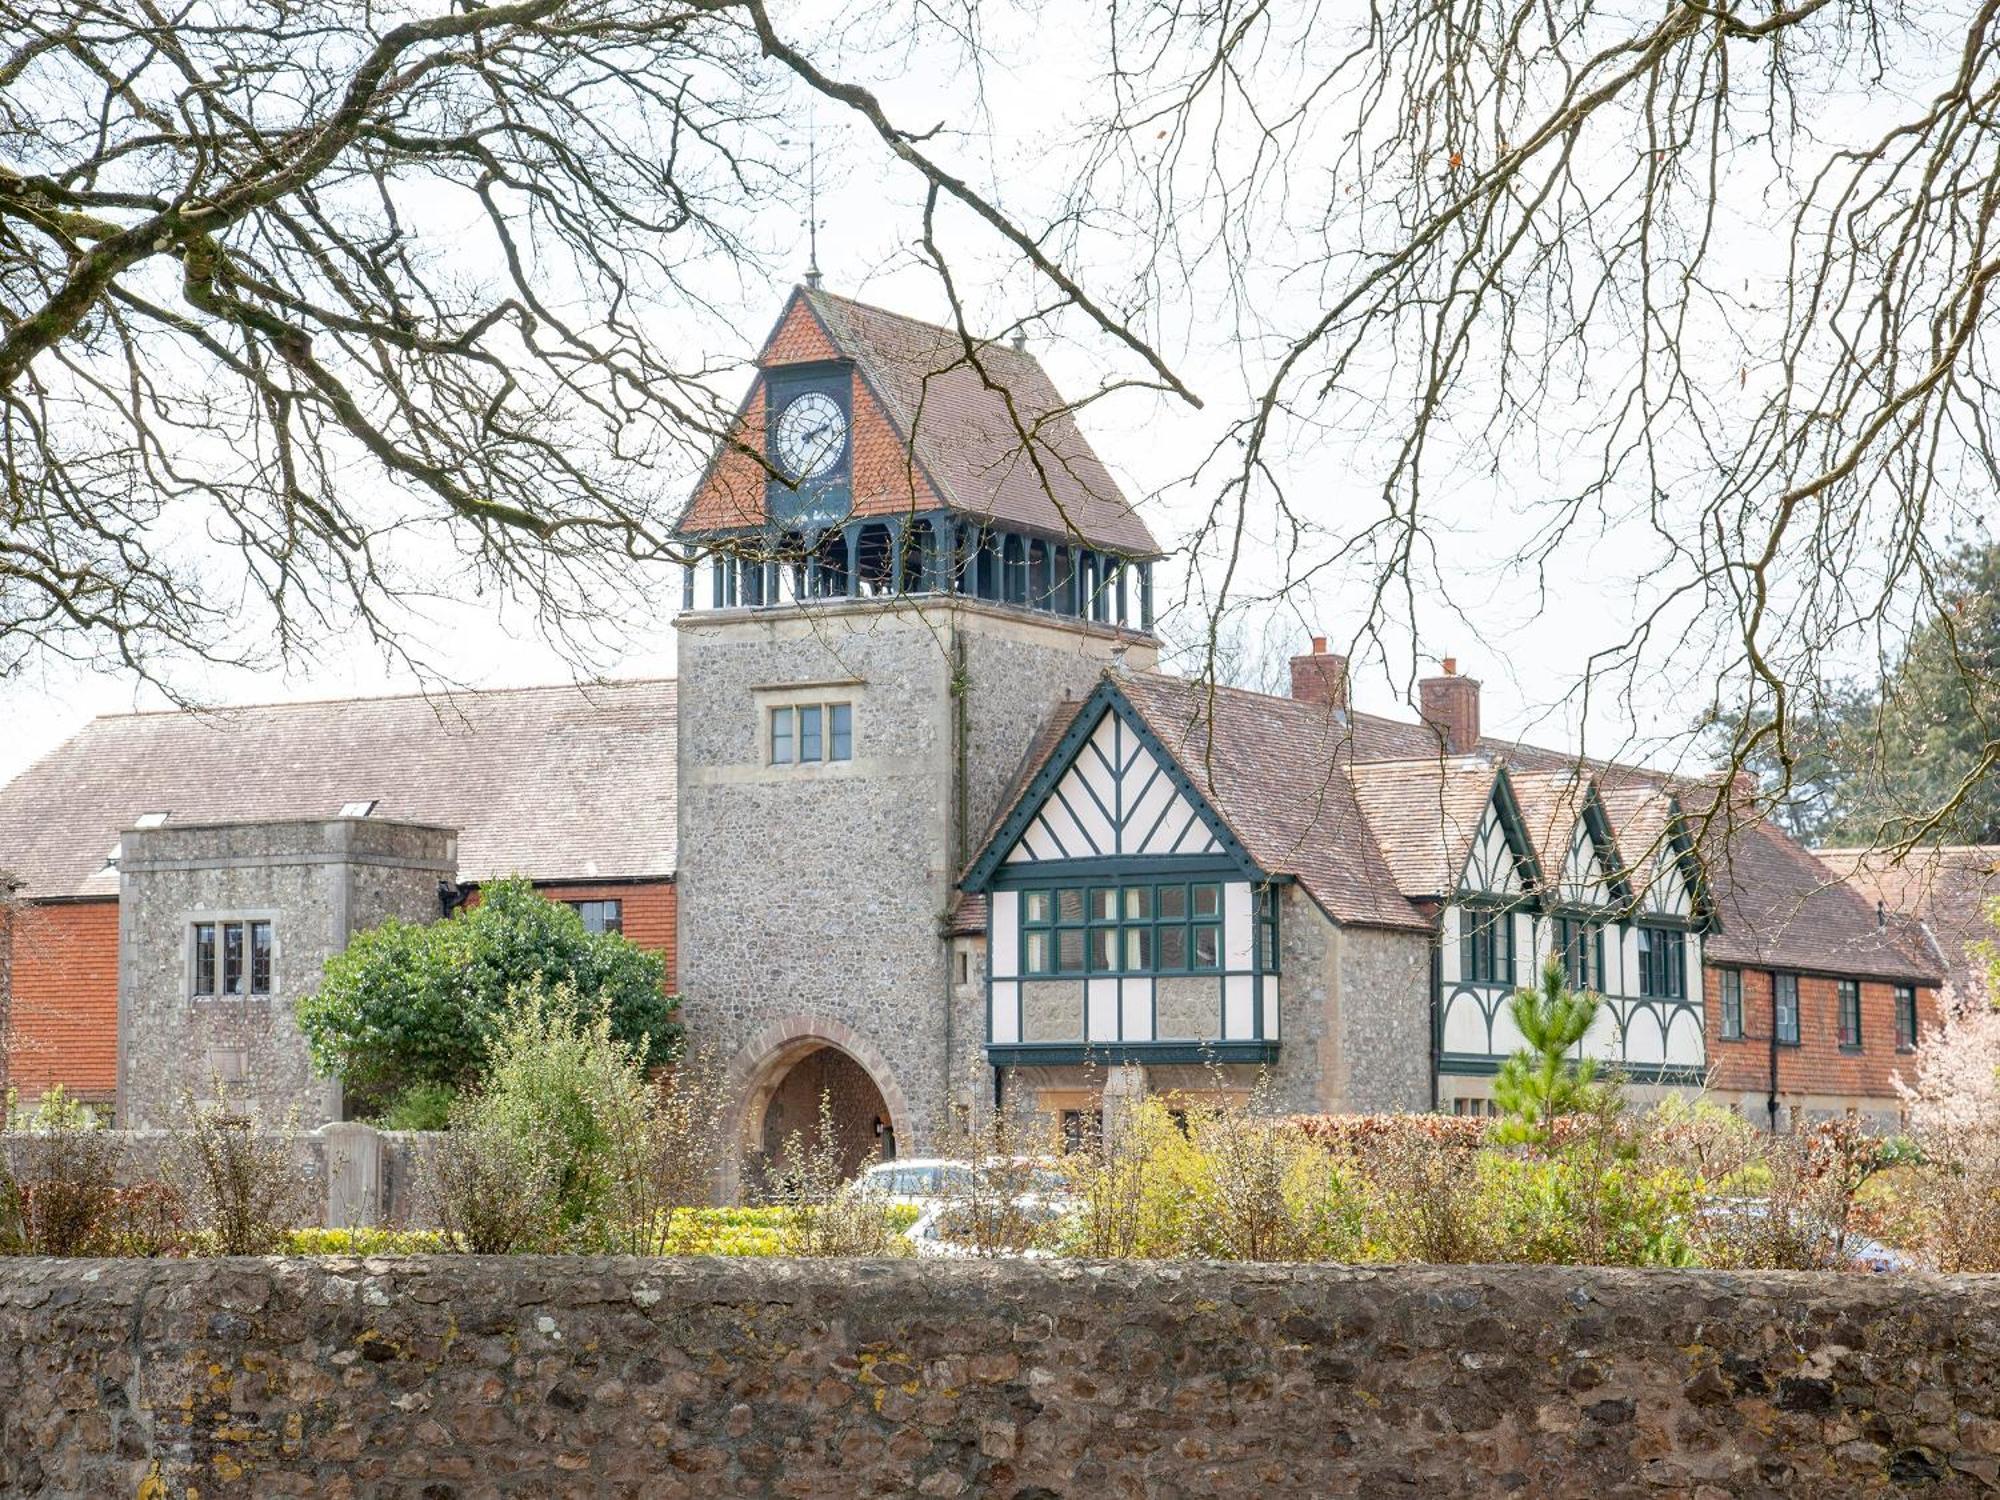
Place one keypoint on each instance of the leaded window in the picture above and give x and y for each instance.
(232, 958)
(1785, 1008)
(1486, 946)
(1850, 1014)
(1662, 963)
(1731, 983)
(1906, 1017)
(1170, 927)
(1581, 944)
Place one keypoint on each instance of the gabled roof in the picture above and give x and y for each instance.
(1271, 771)
(1778, 907)
(1941, 896)
(1552, 804)
(1425, 814)
(557, 783)
(959, 417)
(1647, 824)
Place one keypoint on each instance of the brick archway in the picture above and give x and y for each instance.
(762, 1063)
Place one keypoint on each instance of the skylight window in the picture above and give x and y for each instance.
(357, 809)
(111, 859)
(150, 820)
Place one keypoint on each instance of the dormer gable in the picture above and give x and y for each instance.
(1500, 864)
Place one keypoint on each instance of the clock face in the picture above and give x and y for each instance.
(811, 433)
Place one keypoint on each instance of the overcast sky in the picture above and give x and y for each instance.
(1530, 656)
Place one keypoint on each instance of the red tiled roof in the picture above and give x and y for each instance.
(558, 783)
(1940, 895)
(1424, 815)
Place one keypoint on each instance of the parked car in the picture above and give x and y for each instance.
(962, 1231)
(1851, 1250)
(917, 1181)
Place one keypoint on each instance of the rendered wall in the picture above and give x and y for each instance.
(462, 1378)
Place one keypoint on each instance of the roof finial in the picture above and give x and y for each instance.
(812, 204)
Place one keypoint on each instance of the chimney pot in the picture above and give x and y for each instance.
(1319, 645)
(1450, 705)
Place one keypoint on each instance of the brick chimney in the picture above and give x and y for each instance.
(1450, 705)
(1320, 676)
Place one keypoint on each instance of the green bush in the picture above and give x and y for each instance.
(571, 1093)
(421, 1106)
(372, 1240)
(417, 1005)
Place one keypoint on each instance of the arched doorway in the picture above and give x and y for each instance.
(777, 1078)
(827, 1099)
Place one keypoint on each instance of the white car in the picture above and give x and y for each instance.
(942, 1230)
(917, 1181)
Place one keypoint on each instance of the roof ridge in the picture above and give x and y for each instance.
(945, 329)
(494, 692)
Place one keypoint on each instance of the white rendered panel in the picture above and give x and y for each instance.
(1464, 1025)
(1086, 792)
(1601, 1041)
(1004, 961)
(1270, 1007)
(1238, 934)
(1075, 844)
(1448, 932)
(1238, 1007)
(1136, 1001)
(1101, 1010)
(1144, 804)
(1006, 1012)
(1684, 1041)
(1645, 1044)
(1195, 839)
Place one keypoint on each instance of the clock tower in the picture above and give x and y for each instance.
(911, 555)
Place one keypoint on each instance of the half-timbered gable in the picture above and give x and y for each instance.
(1125, 917)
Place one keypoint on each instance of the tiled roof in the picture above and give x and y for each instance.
(1942, 895)
(558, 783)
(1778, 907)
(1275, 769)
(1367, 814)
(967, 438)
(1425, 814)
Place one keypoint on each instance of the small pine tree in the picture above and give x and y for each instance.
(1543, 1080)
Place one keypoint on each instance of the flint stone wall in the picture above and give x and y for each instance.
(462, 1378)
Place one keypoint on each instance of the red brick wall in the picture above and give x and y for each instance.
(1817, 1065)
(885, 480)
(65, 969)
(648, 912)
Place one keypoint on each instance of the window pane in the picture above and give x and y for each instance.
(204, 958)
(232, 958)
(1069, 905)
(809, 733)
(1207, 900)
(1173, 947)
(1035, 906)
(1207, 947)
(1138, 901)
(1173, 900)
(260, 958)
(1104, 904)
(840, 732)
(1103, 949)
(781, 737)
(1035, 957)
(1069, 950)
(1138, 947)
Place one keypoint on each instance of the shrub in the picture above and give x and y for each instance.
(421, 1106)
(61, 1195)
(242, 1180)
(364, 1240)
(492, 1192)
(670, 1156)
(824, 1217)
(420, 1004)
(570, 1098)
(1421, 1186)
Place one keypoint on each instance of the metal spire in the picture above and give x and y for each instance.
(812, 205)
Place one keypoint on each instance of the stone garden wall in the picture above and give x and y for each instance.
(457, 1378)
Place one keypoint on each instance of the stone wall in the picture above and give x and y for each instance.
(318, 882)
(462, 1379)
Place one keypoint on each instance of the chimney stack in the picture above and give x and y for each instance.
(1320, 676)
(1450, 705)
